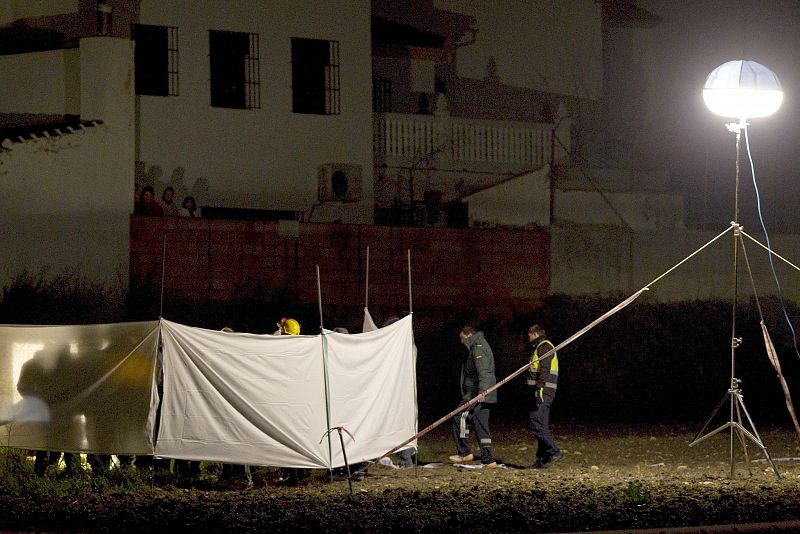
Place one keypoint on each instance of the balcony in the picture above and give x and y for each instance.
(425, 156)
(455, 141)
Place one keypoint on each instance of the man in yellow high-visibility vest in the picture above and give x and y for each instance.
(543, 378)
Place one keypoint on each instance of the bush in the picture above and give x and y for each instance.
(66, 298)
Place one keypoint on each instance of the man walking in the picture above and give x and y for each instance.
(477, 375)
(543, 378)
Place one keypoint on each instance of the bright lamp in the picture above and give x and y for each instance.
(742, 89)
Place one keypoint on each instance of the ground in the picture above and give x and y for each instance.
(612, 478)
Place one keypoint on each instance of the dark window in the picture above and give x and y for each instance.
(315, 76)
(381, 95)
(234, 70)
(156, 59)
(339, 185)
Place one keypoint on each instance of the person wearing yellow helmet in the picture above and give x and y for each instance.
(290, 327)
(286, 326)
(291, 476)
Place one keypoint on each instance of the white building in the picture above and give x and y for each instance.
(245, 103)
(263, 106)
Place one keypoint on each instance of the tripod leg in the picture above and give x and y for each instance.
(708, 421)
(757, 440)
(741, 436)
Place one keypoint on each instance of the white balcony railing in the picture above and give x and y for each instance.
(459, 139)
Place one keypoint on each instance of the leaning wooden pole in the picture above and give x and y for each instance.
(466, 405)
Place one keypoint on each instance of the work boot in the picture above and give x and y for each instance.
(457, 459)
(543, 463)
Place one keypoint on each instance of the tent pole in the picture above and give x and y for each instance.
(410, 302)
(163, 270)
(319, 300)
(325, 368)
(366, 284)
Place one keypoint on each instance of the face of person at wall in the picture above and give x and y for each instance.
(533, 336)
(147, 197)
(462, 336)
(188, 204)
(168, 195)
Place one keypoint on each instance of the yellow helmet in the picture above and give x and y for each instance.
(291, 327)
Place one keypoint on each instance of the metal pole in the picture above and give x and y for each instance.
(366, 284)
(410, 302)
(734, 340)
(319, 300)
(347, 465)
(163, 269)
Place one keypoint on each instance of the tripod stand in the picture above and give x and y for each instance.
(734, 393)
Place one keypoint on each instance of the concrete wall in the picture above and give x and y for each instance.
(52, 82)
(517, 202)
(480, 274)
(262, 158)
(608, 260)
(65, 200)
(640, 210)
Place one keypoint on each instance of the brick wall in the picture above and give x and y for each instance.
(475, 275)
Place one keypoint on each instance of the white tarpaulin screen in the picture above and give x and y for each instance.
(78, 388)
(263, 400)
(372, 390)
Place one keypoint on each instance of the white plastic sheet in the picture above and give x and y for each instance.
(78, 388)
(269, 400)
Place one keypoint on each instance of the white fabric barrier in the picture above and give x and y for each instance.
(372, 390)
(79, 388)
(269, 400)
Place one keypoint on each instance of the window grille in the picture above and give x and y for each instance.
(315, 76)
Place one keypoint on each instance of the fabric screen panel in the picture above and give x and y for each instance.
(242, 398)
(373, 390)
(88, 388)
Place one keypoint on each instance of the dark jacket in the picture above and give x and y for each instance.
(477, 373)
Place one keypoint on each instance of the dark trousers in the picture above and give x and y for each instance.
(478, 419)
(540, 426)
(45, 459)
(99, 463)
(188, 469)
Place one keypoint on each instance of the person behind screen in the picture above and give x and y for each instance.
(291, 476)
(407, 457)
(229, 472)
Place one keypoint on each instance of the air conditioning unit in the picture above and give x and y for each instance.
(339, 182)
